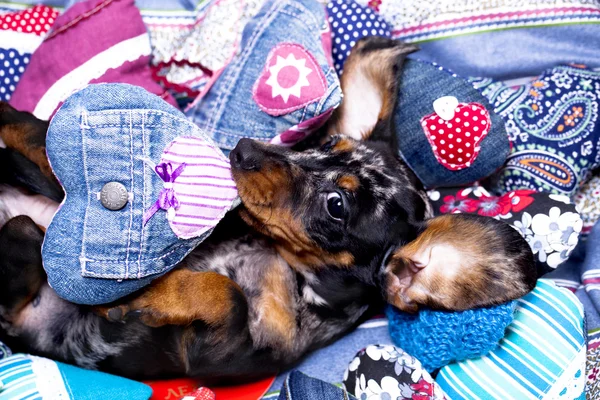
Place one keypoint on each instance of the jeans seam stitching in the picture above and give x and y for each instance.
(132, 199)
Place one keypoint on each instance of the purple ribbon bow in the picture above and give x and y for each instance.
(166, 198)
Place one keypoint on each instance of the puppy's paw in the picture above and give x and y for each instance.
(460, 262)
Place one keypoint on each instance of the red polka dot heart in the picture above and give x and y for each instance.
(455, 131)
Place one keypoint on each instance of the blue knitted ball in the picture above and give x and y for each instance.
(437, 338)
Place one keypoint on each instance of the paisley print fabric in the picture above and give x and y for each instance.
(552, 123)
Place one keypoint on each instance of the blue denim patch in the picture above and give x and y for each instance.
(228, 111)
(111, 133)
(421, 84)
(299, 386)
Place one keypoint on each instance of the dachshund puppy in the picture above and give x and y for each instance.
(321, 236)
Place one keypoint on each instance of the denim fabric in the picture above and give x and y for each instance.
(111, 133)
(514, 53)
(302, 387)
(229, 111)
(422, 83)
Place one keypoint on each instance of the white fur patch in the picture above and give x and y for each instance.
(310, 296)
(360, 108)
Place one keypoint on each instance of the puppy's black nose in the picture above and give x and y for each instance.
(247, 155)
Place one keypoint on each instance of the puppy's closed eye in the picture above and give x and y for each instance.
(460, 262)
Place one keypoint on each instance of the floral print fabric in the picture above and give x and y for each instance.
(549, 222)
(387, 372)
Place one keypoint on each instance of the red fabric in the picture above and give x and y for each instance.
(37, 20)
(175, 389)
(456, 142)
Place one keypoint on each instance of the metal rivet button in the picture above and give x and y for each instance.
(113, 196)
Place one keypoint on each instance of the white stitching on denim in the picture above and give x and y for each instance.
(120, 276)
(143, 195)
(130, 204)
(84, 122)
(137, 111)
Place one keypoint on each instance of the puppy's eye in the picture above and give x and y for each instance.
(335, 205)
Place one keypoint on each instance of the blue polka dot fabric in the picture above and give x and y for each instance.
(12, 66)
(350, 22)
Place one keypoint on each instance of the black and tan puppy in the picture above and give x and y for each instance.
(321, 236)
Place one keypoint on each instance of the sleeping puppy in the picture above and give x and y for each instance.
(321, 236)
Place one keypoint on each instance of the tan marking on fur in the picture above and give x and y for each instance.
(266, 196)
(181, 297)
(276, 308)
(348, 182)
(344, 145)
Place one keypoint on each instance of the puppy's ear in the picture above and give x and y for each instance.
(370, 84)
(21, 271)
(460, 262)
(23, 132)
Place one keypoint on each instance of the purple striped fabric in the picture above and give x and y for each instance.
(84, 47)
(205, 189)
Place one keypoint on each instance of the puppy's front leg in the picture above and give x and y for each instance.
(181, 297)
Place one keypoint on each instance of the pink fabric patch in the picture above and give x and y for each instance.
(205, 188)
(456, 143)
(292, 79)
(299, 132)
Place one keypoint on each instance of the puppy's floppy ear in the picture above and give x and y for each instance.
(21, 272)
(460, 262)
(23, 132)
(24, 162)
(370, 84)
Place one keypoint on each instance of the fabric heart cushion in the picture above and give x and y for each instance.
(281, 87)
(550, 223)
(448, 133)
(144, 186)
(553, 125)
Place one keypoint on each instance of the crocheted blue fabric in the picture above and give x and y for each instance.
(437, 338)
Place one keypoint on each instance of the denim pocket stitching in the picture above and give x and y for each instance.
(132, 191)
(143, 199)
(84, 125)
(141, 111)
(86, 272)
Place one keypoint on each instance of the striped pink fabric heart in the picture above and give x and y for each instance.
(204, 189)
